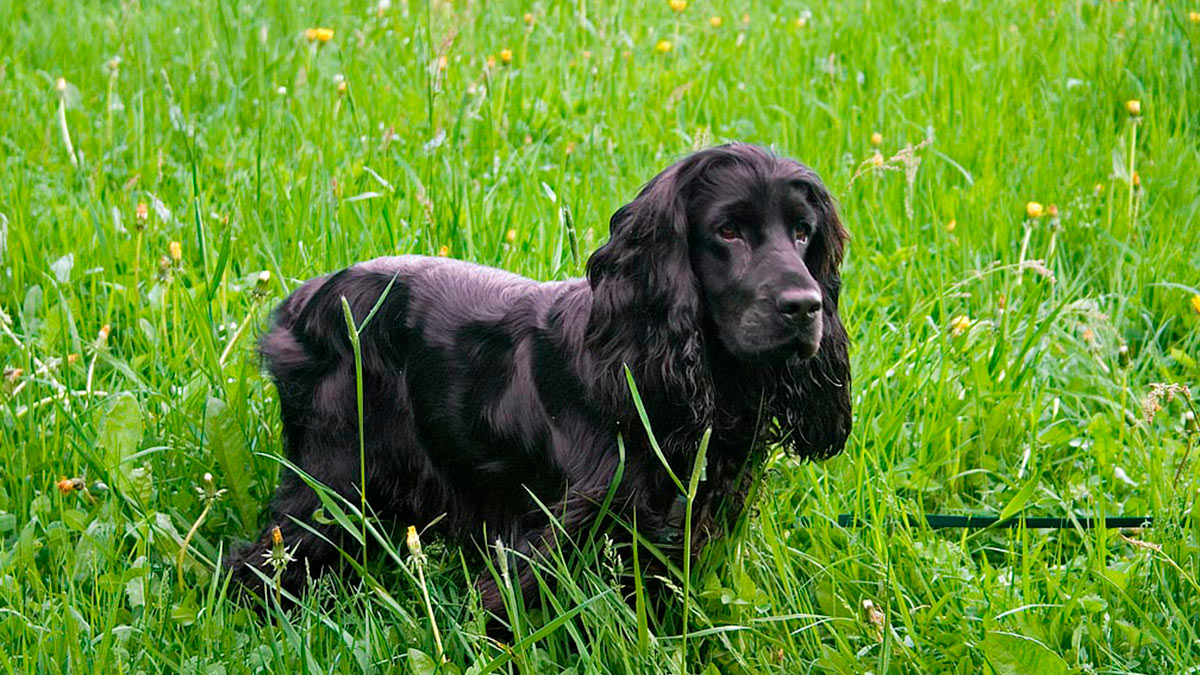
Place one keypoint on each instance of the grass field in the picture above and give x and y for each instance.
(169, 170)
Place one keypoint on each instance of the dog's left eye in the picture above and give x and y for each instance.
(801, 234)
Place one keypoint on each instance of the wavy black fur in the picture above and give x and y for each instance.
(485, 389)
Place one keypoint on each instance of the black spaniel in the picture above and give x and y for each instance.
(487, 393)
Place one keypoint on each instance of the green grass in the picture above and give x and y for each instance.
(229, 125)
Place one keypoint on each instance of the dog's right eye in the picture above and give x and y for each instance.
(728, 232)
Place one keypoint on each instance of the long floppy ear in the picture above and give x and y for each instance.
(646, 308)
(812, 397)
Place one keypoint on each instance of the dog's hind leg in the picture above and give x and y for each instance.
(314, 546)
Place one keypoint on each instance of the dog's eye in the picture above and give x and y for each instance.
(801, 235)
(728, 232)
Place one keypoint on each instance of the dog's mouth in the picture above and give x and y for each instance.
(755, 344)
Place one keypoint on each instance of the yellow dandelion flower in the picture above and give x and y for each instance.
(951, 225)
(745, 18)
(510, 236)
(491, 62)
(276, 536)
(1034, 210)
(678, 5)
(175, 250)
(443, 62)
(323, 34)
(801, 22)
(142, 212)
(1194, 17)
(506, 56)
(528, 18)
(65, 485)
(1133, 107)
(105, 330)
(1098, 188)
(72, 359)
(663, 46)
(413, 540)
(877, 159)
(1052, 210)
(960, 324)
(876, 139)
(1196, 303)
(716, 22)
(444, 251)
(1137, 179)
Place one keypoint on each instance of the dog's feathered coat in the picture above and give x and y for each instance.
(484, 389)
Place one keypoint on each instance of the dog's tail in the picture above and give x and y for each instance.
(281, 347)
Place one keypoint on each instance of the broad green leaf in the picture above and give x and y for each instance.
(1022, 497)
(1012, 654)
(120, 436)
(420, 663)
(228, 446)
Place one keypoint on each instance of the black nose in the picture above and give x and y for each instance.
(797, 304)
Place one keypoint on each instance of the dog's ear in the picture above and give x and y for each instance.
(646, 308)
(812, 397)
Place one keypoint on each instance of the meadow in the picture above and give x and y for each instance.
(1021, 181)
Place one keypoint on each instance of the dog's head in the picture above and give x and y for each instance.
(734, 249)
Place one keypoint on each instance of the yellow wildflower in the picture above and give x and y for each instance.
(959, 324)
(102, 336)
(444, 251)
(318, 34)
(1133, 107)
(1196, 303)
(142, 212)
(175, 250)
(413, 540)
(528, 18)
(506, 56)
(801, 22)
(1137, 179)
(678, 5)
(65, 485)
(276, 536)
(716, 22)
(1034, 210)
(663, 46)
(1194, 17)
(876, 138)
(951, 225)
(510, 236)
(491, 62)
(877, 159)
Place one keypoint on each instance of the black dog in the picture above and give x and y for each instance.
(718, 289)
